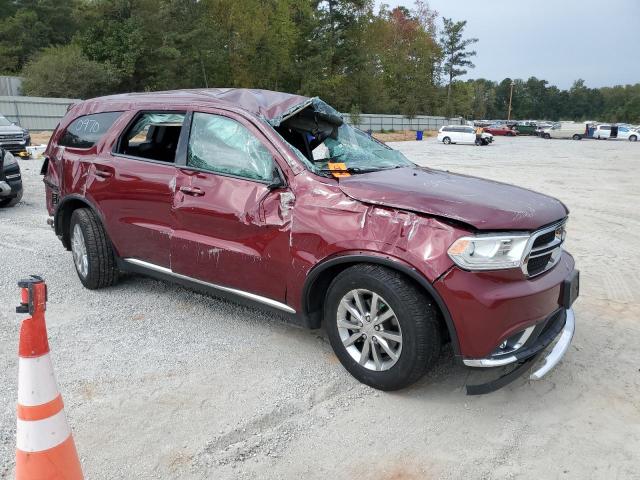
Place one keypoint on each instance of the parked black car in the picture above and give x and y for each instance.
(13, 137)
(10, 180)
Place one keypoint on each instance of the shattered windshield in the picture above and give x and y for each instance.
(324, 143)
(358, 151)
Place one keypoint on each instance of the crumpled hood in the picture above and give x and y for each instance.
(483, 204)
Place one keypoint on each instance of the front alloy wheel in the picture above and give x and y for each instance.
(383, 328)
(369, 330)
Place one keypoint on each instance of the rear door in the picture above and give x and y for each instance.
(133, 185)
(232, 223)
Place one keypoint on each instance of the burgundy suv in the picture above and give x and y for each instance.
(270, 198)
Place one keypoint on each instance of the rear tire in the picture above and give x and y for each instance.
(577, 137)
(11, 202)
(409, 315)
(547, 136)
(633, 138)
(93, 254)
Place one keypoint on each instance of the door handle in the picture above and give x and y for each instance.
(103, 173)
(194, 191)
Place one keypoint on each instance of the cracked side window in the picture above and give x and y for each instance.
(221, 145)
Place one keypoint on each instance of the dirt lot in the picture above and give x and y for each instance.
(159, 382)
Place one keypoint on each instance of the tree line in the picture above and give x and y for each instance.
(353, 55)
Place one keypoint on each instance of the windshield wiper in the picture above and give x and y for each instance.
(352, 170)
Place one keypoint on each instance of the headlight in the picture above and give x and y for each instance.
(9, 159)
(490, 252)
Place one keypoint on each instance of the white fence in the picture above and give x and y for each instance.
(377, 123)
(35, 113)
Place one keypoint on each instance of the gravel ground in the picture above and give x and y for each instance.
(160, 382)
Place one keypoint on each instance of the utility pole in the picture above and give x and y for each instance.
(510, 97)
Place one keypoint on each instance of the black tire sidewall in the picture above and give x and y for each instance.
(103, 270)
(78, 218)
(412, 356)
(446, 140)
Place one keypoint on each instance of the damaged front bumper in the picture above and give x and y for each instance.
(560, 326)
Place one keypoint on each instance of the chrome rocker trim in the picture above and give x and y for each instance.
(550, 361)
(240, 293)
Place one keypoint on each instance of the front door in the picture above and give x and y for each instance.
(232, 223)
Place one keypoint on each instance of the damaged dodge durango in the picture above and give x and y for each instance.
(272, 199)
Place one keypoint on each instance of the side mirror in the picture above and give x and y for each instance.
(276, 180)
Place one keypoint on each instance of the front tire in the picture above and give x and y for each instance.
(633, 138)
(93, 255)
(446, 140)
(383, 329)
(577, 137)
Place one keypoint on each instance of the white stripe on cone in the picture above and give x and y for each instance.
(36, 382)
(38, 435)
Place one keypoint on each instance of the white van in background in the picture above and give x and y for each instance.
(462, 134)
(574, 130)
(614, 132)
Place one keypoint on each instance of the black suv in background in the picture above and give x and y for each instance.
(13, 137)
(10, 179)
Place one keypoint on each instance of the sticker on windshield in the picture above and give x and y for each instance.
(338, 169)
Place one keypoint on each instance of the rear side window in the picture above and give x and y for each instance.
(85, 131)
(153, 136)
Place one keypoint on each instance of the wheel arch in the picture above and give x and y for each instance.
(62, 216)
(319, 278)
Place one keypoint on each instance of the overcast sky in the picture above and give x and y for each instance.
(555, 40)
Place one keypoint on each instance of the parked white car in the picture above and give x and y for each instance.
(614, 132)
(462, 134)
(574, 130)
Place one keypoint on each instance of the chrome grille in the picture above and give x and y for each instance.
(545, 249)
(11, 137)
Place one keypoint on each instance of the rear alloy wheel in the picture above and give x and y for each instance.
(633, 138)
(577, 137)
(383, 329)
(93, 255)
(446, 140)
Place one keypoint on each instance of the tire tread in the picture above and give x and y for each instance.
(103, 270)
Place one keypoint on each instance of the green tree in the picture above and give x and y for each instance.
(455, 53)
(28, 26)
(66, 72)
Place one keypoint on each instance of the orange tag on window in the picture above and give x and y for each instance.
(339, 170)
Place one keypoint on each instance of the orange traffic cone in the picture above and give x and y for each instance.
(45, 448)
